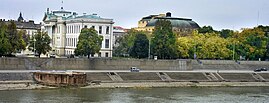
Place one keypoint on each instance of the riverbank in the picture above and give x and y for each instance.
(24, 85)
(178, 84)
(20, 85)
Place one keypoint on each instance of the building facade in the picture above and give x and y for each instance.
(64, 29)
(180, 25)
(118, 32)
(29, 27)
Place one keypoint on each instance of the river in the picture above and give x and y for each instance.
(139, 95)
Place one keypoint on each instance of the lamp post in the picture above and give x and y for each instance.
(149, 50)
(149, 46)
(34, 46)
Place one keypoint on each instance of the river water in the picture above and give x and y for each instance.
(141, 95)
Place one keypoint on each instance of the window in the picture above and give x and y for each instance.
(85, 26)
(74, 42)
(93, 27)
(100, 29)
(106, 54)
(107, 30)
(107, 43)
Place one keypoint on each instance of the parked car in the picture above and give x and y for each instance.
(71, 56)
(260, 69)
(134, 69)
(52, 56)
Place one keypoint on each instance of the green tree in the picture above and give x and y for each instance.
(140, 47)
(185, 47)
(25, 37)
(89, 42)
(251, 43)
(164, 40)
(125, 43)
(206, 29)
(15, 38)
(225, 33)
(5, 45)
(40, 43)
(122, 48)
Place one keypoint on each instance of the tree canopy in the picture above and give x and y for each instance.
(11, 40)
(40, 43)
(140, 47)
(164, 40)
(89, 42)
(126, 42)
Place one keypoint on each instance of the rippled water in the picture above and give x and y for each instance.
(153, 95)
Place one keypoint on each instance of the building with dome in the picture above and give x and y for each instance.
(64, 29)
(179, 24)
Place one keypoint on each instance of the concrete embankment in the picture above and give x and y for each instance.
(159, 78)
(147, 79)
(125, 64)
(178, 84)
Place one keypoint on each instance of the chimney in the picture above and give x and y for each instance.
(168, 14)
(84, 14)
(31, 21)
(48, 10)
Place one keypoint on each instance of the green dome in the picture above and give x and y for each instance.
(177, 22)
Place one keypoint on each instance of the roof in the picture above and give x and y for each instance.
(61, 11)
(175, 21)
(179, 23)
(93, 16)
(26, 25)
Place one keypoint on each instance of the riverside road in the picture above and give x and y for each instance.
(143, 71)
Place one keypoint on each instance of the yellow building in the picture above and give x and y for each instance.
(179, 24)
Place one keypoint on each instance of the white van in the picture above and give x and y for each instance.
(134, 69)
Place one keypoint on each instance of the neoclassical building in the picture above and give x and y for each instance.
(64, 28)
(181, 25)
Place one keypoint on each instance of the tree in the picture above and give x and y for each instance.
(89, 42)
(140, 47)
(225, 33)
(40, 43)
(206, 29)
(25, 37)
(126, 43)
(15, 38)
(122, 49)
(164, 40)
(5, 45)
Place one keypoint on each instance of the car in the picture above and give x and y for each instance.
(260, 69)
(134, 69)
(71, 56)
(52, 56)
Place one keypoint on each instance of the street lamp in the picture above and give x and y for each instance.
(149, 50)
(149, 46)
(34, 46)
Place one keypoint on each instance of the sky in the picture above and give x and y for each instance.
(220, 14)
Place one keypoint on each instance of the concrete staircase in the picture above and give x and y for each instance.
(114, 76)
(258, 77)
(164, 76)
(211, 76)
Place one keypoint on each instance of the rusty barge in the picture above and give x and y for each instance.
(60, 79)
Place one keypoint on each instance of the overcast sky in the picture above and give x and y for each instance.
(221, 14)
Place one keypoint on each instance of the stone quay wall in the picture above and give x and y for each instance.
(90, 64)
(125, 64)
